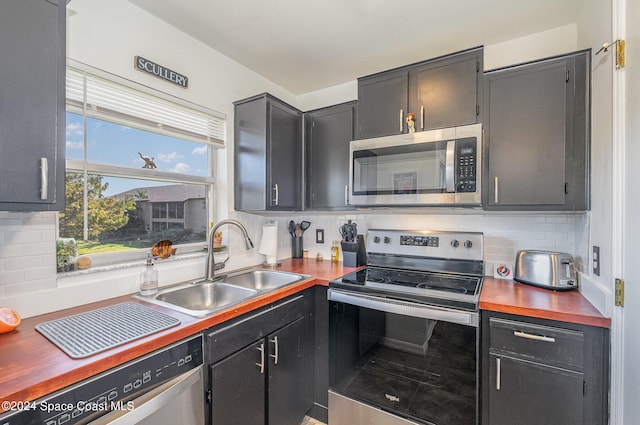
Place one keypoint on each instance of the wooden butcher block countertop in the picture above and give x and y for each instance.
(31, 366)
(507, 296)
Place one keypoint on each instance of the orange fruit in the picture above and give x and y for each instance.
(9, 320)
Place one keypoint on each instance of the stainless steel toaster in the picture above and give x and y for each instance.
(546, 269)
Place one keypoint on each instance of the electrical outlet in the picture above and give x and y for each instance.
(595, 260)
(319, 235)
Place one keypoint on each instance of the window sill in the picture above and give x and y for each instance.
(130, 264)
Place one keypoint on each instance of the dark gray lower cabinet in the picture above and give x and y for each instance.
(533, 393)
(543, 372)
(237, 390)
(262, 365)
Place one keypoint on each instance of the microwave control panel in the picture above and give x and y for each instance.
(466, 163)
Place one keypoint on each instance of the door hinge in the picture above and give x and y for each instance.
(619, 51)
(619, 292)
(619, 54)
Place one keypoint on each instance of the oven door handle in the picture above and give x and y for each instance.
(406, 308)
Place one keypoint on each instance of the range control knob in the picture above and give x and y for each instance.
(376, 239)
(455, 243)
(387, 239)
(468, 244)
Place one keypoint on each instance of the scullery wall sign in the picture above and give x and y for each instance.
(145, 65)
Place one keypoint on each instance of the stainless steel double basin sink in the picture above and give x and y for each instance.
(202, 298)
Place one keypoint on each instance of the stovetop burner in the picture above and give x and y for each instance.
(437, 268)
(414, 279)
(435, 288)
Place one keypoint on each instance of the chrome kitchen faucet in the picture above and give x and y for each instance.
(210, 266)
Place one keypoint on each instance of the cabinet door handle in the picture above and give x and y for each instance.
(495, 190)
(401, 120)
(532, 336)
(498, 373)
(44, 179)
(422, 118)
(276, 194)
(261, 364)
(346, 194)
(275, 350)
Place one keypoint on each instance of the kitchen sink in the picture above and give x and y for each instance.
(202, 298)
(263, 280)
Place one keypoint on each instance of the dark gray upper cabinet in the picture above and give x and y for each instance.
(328, 132)
(441, 92)
(536, 120)
(538, 371)
(32, 105)
(267, 155)
(382, 104)
(444, 92)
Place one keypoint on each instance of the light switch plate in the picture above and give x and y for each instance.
(319, 235)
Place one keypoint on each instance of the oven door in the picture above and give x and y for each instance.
(400, 363)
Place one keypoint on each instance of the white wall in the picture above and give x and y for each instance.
(594, 30)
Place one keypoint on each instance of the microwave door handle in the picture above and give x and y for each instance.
(450, 177)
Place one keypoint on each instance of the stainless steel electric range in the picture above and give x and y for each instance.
(403, 336)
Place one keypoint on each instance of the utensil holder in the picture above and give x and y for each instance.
(296, 247)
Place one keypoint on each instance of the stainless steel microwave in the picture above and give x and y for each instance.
(437, 167)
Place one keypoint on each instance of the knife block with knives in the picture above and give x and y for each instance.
(354, 253)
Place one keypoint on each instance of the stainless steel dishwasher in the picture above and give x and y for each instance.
(163, 387)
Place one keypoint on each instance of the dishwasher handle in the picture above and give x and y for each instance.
(149, 403)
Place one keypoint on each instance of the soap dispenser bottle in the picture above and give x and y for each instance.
(148, 278)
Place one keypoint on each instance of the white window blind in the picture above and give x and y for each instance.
(112, 101)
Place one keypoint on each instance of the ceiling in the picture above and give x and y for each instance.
(307, 45)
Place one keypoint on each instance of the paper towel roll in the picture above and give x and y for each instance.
(269, 243)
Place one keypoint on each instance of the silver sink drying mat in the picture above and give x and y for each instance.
(85, 334)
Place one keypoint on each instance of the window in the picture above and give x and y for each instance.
(139, 165)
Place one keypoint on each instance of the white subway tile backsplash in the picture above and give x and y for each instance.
(29, 287)
(8, 277)
(27, 240)
(12, 250)
(21, 263)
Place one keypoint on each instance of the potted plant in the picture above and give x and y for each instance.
(66, 252)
